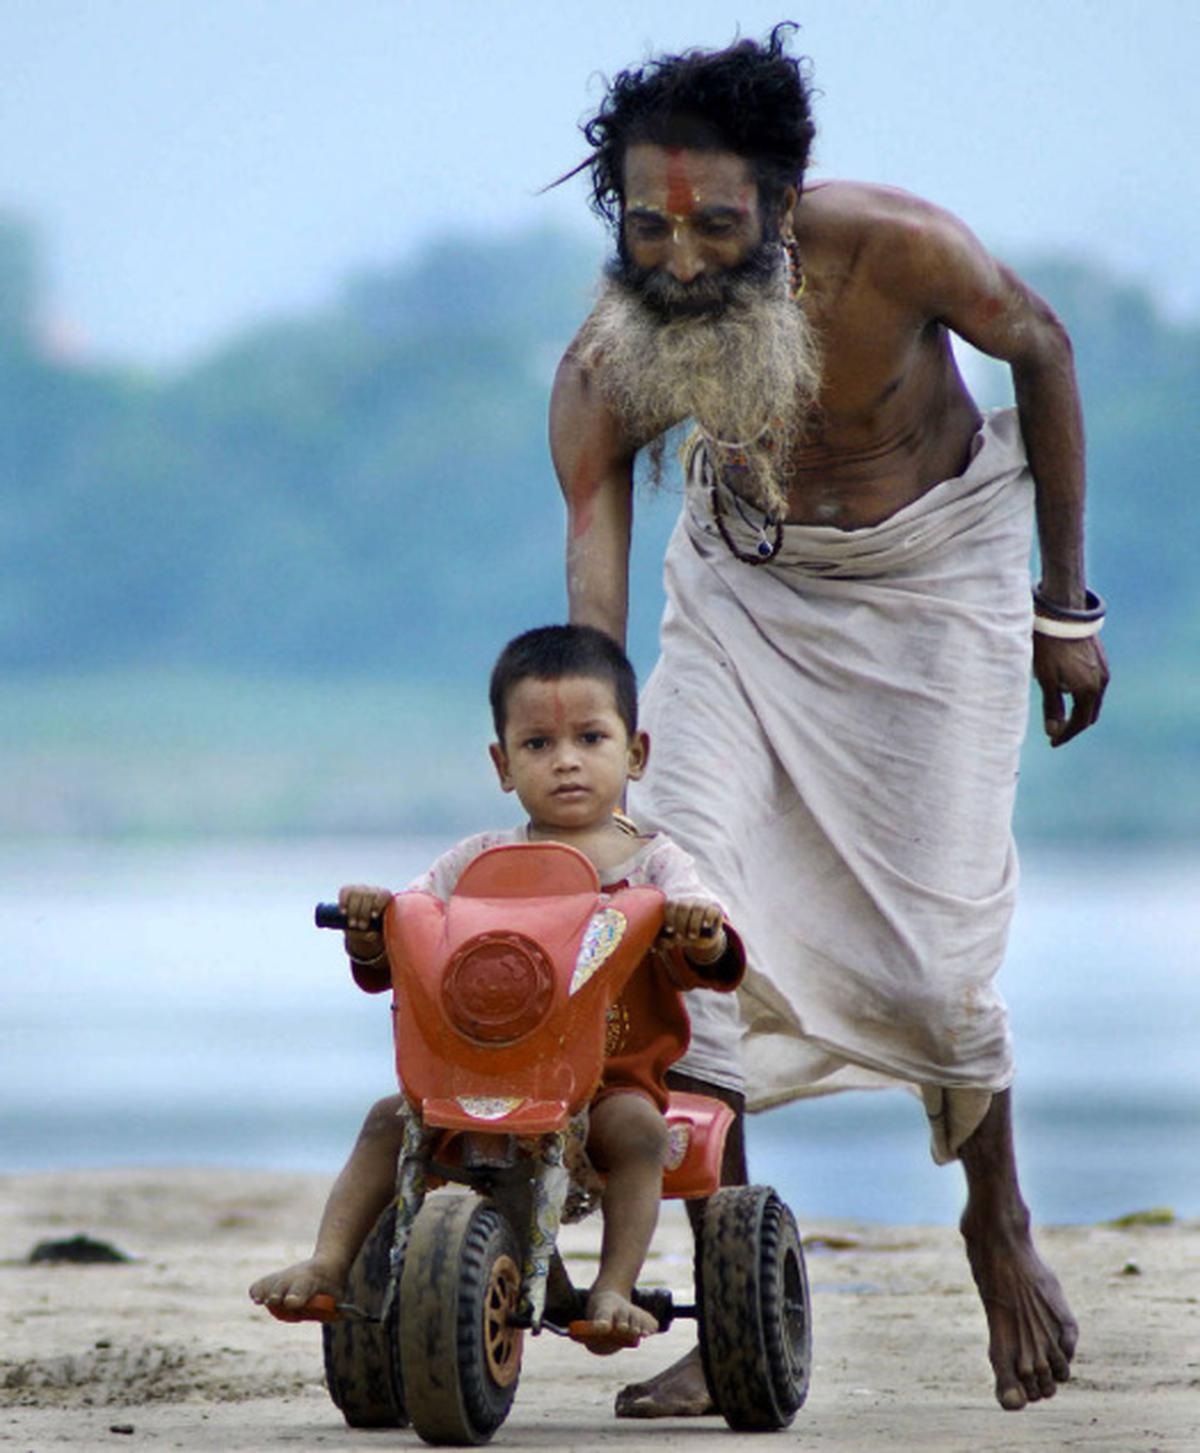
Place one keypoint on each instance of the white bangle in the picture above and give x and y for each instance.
(1067, 623)
(1066, 630)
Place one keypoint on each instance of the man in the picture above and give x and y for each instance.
(840, 700)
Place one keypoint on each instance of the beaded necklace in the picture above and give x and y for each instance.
(768, 545)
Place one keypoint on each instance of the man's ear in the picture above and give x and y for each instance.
(787, 206)
(639, 755)
(500, 762)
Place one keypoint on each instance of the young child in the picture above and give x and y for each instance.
(564, 703)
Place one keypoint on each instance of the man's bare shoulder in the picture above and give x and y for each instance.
(883, 236)
(838, 210)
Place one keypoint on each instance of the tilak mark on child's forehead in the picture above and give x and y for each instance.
(555, 685)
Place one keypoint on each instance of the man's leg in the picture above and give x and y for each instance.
(680, 1391)
(1032, 1334)
(366, 1184)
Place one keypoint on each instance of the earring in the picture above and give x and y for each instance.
(795, 268)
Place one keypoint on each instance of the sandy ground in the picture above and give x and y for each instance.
(168, 1351)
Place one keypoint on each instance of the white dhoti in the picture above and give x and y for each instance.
(835, 738)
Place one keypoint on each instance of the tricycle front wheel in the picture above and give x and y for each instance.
(460, 1289)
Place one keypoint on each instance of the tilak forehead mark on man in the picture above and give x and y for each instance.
(681, 194)
(675, 181)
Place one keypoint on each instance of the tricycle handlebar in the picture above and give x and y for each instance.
(333, 915)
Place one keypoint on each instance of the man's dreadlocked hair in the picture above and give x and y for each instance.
(752, 99)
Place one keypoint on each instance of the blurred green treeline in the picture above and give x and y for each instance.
(261, 593)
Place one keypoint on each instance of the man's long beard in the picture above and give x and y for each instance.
(730, 350)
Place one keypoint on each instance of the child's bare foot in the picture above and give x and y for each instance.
(626, 1322)
(292, 1288)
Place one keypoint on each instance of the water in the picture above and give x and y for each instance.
(175, 1007)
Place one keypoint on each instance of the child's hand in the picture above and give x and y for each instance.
(696, 926)
(362, 903)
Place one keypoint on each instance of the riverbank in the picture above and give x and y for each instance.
(151, 753)
(167, 1351)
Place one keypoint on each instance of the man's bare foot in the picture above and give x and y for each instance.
(291, 1288)
(1032, 1334)
(679, 1391)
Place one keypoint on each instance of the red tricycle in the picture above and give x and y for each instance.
(500, 1003)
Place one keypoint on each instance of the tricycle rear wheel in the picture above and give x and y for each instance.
(754, 1312)
(362, 1370)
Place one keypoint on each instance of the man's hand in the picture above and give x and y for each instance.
(361, 903)
(695, 926)
(1078, 669)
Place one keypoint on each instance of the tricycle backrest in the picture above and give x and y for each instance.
(527, 870)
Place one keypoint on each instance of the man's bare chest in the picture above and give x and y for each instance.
(892, 418)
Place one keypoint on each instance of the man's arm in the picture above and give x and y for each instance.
(594, 463)
(985, 303)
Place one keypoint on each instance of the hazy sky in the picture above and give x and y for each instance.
(193, 164)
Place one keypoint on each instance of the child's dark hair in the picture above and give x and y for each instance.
(548, 653)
